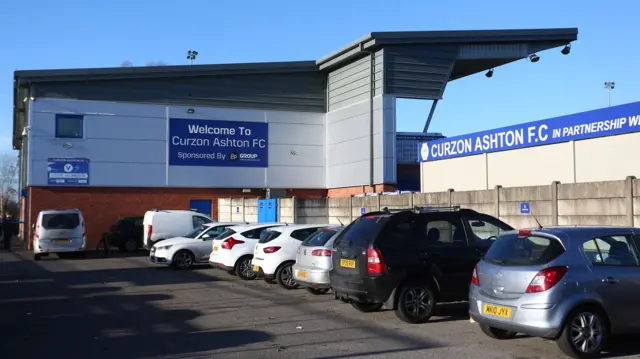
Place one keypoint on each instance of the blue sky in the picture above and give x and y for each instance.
(80, 33)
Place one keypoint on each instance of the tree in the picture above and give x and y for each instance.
(126, 63)
(9, 184)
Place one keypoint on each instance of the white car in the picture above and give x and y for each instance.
(275, 253)
(184, 252)
(163, 224)
(232, 251)
(60, 231)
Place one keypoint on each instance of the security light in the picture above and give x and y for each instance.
(534, 58)
(566, 50)
(190, 111)
(489, 73)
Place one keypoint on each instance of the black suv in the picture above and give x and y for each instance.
(126, 234)
(410, 259)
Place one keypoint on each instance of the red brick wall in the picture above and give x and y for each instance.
(102, 206)
(307, 193)
(352, 191)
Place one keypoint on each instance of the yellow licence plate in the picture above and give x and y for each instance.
(302, 274)
(215, 248)
(256, 268)
(347, 263)
(497, 310)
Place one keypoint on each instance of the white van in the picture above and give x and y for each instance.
(60, 231)
(163, 224)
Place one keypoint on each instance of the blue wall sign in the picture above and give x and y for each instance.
(218, 143)
(580, 126)
(68, 171)
(363, 210)
(237, 209)
(525, 207)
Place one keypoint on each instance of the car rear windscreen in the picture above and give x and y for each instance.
(60, 221)
(228, 232)
(523, 250)
(318, 239)
(268, 236)
(362, 232)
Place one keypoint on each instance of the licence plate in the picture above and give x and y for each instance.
(215, 248)
(347, 263)
(60, 240)
(497, 310)
(302, 274)
(256, 268)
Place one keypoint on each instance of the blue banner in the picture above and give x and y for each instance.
(218, 143)
(68, 171)
(580, 126)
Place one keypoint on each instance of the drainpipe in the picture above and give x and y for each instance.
(372, 66)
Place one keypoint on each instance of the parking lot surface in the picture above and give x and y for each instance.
(127, 308)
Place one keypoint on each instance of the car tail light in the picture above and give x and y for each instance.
(272, 249)
(524, 233)
(230, 242)
(321, 253)
(546, 279)
(149, 231)
(375, 263)
(474, 278)
(37, 231)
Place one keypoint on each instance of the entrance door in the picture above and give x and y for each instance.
(267, 210)
(201, 205)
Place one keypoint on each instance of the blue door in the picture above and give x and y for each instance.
(267, 210)
(201, 205)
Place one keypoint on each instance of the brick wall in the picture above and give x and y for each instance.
(307, 193)
(102, 206)
(352, 191)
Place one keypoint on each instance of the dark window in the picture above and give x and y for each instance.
(255, 233)
(69, 126)
(303, 234)
(138, 222)
(320, 238)
(515, 249)
(485, 230)
(401, 230)
(60, 221)
(216, 231)
(268, 236)
(228, 232)
(611, 251)
(445, 231)
(363, 230)
(199, 221)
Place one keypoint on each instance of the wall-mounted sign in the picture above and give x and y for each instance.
(68, 171)
(363, 210)
(525, 208)
(218, 143)
(237, 209)
(580, 126)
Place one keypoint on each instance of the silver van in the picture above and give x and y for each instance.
(60, 231)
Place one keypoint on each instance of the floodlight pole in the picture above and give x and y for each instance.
(433, 109)
(609, 85)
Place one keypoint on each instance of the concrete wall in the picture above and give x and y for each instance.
(592, 203)
(127, 146)
(592, 160)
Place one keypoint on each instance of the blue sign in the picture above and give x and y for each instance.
(237, 209)
(218, 143)
(525, 208)
(363, 210)
(68, 171)
(598, 123)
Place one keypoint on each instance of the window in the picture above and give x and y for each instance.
(303, 234)
(198, 221)
(268, 236)
(255, 233)
(138, 222)
(485, 230)
(60, 221)
(320, 238)
(400, 231)
(216, 231)
(362, 231)
(69, 126)
(611, 251)
(445, 232)
(521, 250)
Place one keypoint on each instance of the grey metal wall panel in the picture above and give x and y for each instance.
(287, 91)
(418, 71)
(351, 84)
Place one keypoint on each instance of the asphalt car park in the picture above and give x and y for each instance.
(125, 307)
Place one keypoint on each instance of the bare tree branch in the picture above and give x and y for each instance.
(8, 179)
(126, 63)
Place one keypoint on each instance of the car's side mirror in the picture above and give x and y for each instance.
(206, 236)
(477, 224)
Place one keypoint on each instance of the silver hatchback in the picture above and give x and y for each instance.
(574, 285)
(313, 260)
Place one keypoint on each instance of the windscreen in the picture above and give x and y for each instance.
(362, 232)
(228, 232)
(196, 231)
(60, 221)
(268, 236)
(318, 239)
(524, 250)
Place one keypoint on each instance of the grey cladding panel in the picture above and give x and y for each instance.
(418, 71)
(288, 91)
(351, 83)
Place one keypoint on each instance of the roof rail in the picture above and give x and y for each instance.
(422, 209)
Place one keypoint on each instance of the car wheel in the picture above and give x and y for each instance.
(496, 333)
(183, 259)
(37, 256)
(415, 303)
(269, 281)
(367, 307)
(318, 291)
(284, 277)
(130, 246)
(243, 268)
(584, 334)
